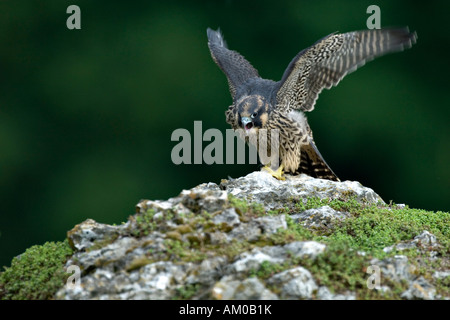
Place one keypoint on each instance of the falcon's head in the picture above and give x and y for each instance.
(252, 113)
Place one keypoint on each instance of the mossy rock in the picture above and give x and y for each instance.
(37, 273)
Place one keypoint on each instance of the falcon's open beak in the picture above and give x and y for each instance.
(247, 123)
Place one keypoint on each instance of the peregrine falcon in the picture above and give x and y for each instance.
(265, 104)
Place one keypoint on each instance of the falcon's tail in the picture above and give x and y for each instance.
(313, 164)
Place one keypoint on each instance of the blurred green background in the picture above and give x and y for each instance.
(86, 116)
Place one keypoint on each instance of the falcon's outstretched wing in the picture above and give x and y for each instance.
(326, 62)
(235, 66)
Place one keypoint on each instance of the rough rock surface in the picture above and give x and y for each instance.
(199, 246)
(272, 193)
(320, 217)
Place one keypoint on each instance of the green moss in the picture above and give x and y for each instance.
(183, 251)
(268, 269)
(232, 249)
(338, 267)
(310, 203)
(369, 228)
(244, 208)
(294, 232)
(348, 203)
(37, 273)
(186, 292)
(240, 205)
(443, 287)
(144, 223)
(372, 227)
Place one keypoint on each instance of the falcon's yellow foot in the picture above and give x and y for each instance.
(276, 174)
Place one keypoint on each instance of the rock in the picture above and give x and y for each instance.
(324, 294)
(301, 249)
(322, 217)
(276, 254)
(228, 217)
(252, 261)
(399, 269)
(295, 283)
(424, 242)
(396, 268)
(228, 288)
(425, 239)
(272, 224)
(252, 289)
(247, 232)
(259, 186)
(83, 235)
(208, 271)
(441, 274)
(206, 196)
(419, 289)
(217, 237)
(204, 244)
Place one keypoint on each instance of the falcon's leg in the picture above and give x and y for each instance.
(279, 174)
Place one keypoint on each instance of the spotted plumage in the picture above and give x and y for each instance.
(265, 104)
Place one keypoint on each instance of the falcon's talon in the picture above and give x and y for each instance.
(265, 104)
(278, 174)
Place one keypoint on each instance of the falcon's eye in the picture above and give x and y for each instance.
(254, 114)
